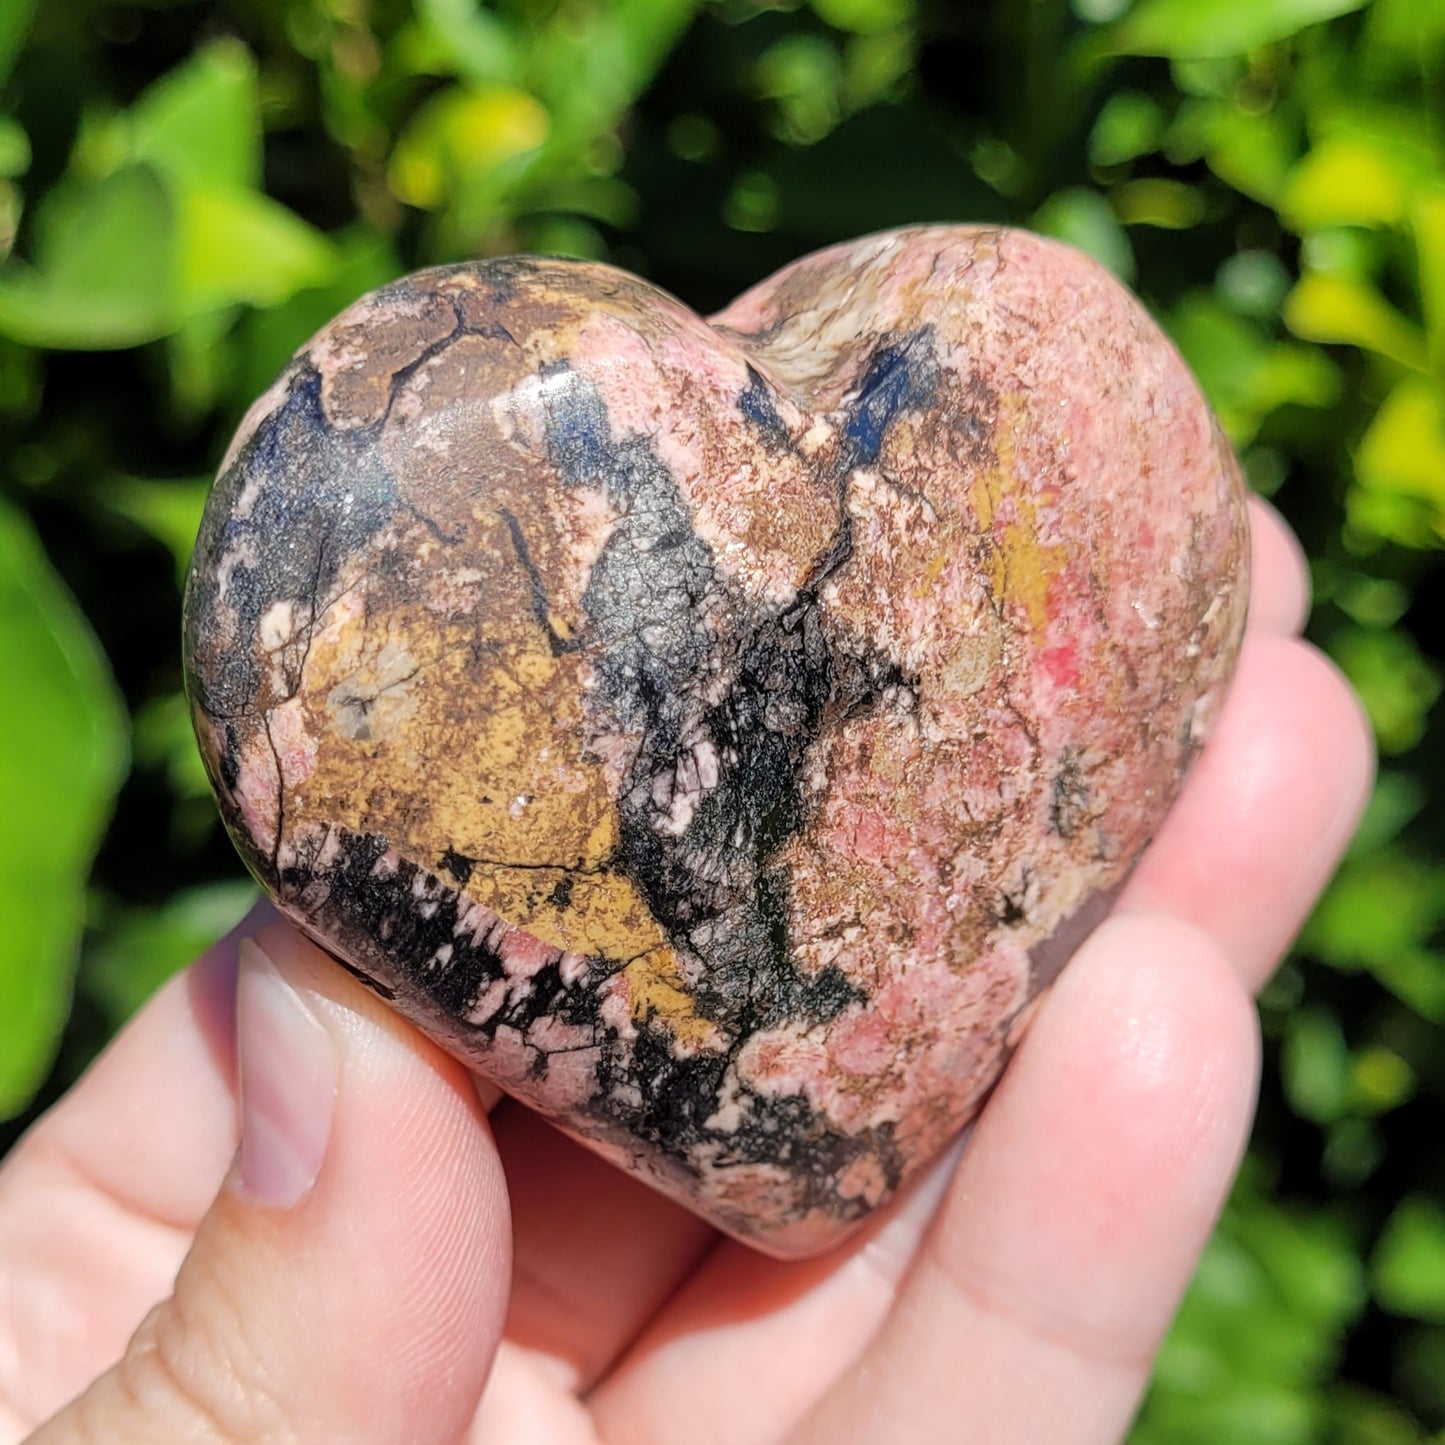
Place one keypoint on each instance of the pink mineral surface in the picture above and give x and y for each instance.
(718, 734)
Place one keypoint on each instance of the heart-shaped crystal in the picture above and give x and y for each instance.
(718, 734)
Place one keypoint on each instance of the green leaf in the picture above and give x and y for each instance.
(1315, 1065)
(1378, 906)
(145, 946)
(1428, 221)
(1245, 374)
(1395, 801)
(103, 272)
(1252, 283)
(1409, 1262)
(169, 511)
(1416, 976)
(200, 361)
(241, 246)
(1349, 311)
(15, 18)
(62, 757)
(14, 148)
(201, 123)
(597, 67)
(1085, 219)
(1247, 149)
(1396, 682)
(1130, 125)
(164, 738)
(803, 76)
(1191, 30)
(267, 339)
(864, 17)
(1259, 1331)
(478, 44)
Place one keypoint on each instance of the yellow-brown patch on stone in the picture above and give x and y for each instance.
(1020, 566)
(658, 993)
(599, 913)
(464, 735)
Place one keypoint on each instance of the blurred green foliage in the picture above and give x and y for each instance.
(187, 190)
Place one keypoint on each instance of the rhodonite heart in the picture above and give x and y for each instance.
(719, 734)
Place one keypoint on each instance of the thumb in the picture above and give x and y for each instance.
(350, 1279)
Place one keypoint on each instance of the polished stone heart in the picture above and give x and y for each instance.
(719, 734)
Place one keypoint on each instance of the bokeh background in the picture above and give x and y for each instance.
(188, 189)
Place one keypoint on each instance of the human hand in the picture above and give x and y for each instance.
(358, 1276)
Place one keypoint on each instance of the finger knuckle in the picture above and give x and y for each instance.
(196, 1372)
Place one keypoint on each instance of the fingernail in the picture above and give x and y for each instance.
(288, 1084)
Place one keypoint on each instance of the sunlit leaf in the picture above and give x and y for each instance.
(1403, 453)
(876, 67)
(1409, 1263)
(1378, 915)
(1347, 181)
(1416, 976)
(600, 64)
(201, 123)
(1381, 1080)
(1158, 201)
(1187, 29)
(1099, 12)
(62, 756)
(1348, 311)
(752, 203)
(464, 139)
(241, 246)
(103, 270)
(1375, 602)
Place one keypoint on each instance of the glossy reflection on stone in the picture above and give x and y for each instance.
(719, 734)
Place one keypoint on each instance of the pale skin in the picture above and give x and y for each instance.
(392, 1255)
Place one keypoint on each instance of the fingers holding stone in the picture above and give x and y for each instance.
(1267, 810)
(1074, 1221)
(1279, 593)
(99, 1201)
(350, 1279)
(749, 1343)
(596, 1252)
